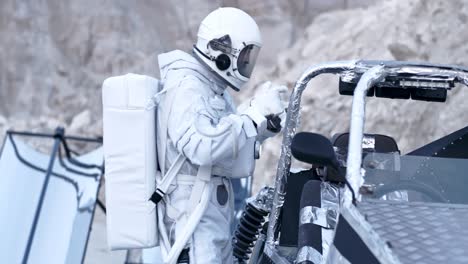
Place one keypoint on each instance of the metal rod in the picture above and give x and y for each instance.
(358, 114)
(58, 138)
(101, 205)
(33, 134)
(76, 162)
(34, 167)
(292, 117)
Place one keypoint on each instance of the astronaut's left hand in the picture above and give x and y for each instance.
(270, 99)
(267, 109)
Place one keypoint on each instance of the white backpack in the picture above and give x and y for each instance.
(130, 160)
(130, 156)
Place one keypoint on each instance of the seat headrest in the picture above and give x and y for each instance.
(383, 144)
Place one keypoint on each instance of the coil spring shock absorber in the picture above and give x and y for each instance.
(256, 209)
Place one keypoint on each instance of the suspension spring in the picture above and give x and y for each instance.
(247, 231)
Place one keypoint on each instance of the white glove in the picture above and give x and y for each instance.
(270, 99)
(267, 109)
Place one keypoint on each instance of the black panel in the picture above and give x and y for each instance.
(454, 145)
(290, 210)
(393, 88)
(439, 95)
(350, 244)
(393, 93)
(347, 88)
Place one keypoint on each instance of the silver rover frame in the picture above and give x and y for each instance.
(369, 74)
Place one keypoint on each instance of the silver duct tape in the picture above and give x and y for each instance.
(327, 241)
(274, 255)
(353, 172)
(427, 70)
(307, 253)
(327, 215)
(292, 120)
(368, 142)
(263, 200)
(318, 216)
(335, 257)
(330, 196)
(454, 73)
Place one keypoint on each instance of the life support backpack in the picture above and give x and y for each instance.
(134, 184)
(130, 156)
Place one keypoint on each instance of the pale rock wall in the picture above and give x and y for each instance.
(55, 54)
(415, 30)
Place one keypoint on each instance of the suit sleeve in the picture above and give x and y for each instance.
(198, 134)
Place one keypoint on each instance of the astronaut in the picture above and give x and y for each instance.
(197, 118)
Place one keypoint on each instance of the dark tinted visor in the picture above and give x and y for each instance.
(246, 60)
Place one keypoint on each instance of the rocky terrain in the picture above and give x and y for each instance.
(415, 30)
(55, 54)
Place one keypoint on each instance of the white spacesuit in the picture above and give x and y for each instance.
(206, 128)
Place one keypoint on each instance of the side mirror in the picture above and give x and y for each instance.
(314, 149)
(318, 150)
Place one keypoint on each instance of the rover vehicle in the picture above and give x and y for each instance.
(363, 200)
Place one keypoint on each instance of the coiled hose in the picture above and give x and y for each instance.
(247, 231)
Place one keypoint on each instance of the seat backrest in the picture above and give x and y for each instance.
(383, 144)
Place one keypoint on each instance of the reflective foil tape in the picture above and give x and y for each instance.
(292, 120)
(318, 216)
(307, 253)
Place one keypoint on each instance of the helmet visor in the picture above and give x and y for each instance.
(246, 60)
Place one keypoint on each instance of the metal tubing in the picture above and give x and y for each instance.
(354, 69)
(58, 138)
(292, 117)
(358, 114)
(32, 134)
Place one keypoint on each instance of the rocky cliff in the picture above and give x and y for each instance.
(55, 54)
(416, 30)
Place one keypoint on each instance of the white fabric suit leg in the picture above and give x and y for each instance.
(211, 241)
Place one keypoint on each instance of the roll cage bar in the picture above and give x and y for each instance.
(365, 74)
